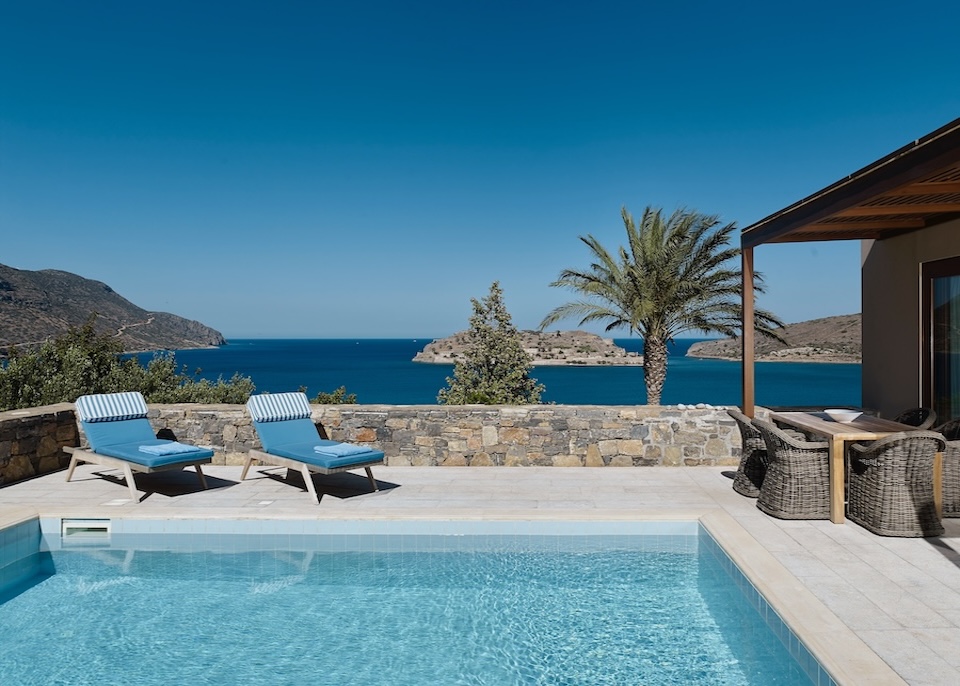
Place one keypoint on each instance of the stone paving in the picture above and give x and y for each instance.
(901, 597)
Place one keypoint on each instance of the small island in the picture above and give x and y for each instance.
(556, 348)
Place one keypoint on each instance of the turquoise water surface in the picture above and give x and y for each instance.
(455, 610)
(382, 371)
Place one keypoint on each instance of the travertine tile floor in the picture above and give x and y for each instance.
(900, 596)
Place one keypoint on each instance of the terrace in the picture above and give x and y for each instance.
(872, 609)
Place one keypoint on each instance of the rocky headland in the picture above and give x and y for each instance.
(831, 339)
(544, 348)
(36, 306)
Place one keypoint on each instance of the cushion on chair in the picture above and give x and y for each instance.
(291, 431)
(102, 434)
(304, 452)
(278, 407)
(131, 452)
(111, 407)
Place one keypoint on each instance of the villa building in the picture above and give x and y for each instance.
(905, 210)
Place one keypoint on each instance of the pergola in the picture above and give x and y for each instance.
(909, 190)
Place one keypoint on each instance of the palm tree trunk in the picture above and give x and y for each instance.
(654, 368)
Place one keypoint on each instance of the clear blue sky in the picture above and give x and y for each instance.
(362, 169)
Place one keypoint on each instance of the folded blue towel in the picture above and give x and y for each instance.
(341, 449)
(172, 448)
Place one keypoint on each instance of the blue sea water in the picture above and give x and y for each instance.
(382, 371)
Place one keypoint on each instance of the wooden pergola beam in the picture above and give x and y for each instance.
(913, 208)
(927, 188)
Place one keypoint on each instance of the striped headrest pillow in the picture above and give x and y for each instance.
(111, 407)
(278, 407)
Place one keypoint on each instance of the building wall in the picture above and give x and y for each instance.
(892, 317)
(32, 441)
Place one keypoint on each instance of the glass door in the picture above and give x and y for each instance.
(942, 337)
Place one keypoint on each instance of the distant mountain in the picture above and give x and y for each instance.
(831, 339)
(39, 305)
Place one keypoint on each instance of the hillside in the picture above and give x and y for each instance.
(553, 348)
(38, 305)
(831, 339)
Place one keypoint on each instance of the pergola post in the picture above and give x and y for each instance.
(746, 255)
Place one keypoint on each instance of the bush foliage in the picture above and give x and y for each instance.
(338, 397)
(82, 362)
(495, 368)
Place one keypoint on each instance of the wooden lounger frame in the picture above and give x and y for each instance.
(305, 469)
(79, 455)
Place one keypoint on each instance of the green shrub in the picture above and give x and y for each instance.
(82, 362)
(338, 397)
(495, 368)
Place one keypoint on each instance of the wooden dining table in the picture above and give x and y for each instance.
(838, 434)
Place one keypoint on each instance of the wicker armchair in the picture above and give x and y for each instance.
(797, 483)
(950, 430)
(921, 417)
(951, 478)
(891, 484)
(753, 457)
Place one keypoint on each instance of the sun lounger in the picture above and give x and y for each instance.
(290, 439)
(120, 437)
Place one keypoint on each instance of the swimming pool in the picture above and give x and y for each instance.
(400, 603)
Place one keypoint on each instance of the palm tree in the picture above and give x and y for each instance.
(674, 276)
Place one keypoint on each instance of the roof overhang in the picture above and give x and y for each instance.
(910, 189)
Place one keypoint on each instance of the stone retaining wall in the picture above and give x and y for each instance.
(472, 435)
(31, 441)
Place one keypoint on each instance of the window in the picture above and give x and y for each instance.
(941, 337)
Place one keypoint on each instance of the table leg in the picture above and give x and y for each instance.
(837, 473)
(938, 484)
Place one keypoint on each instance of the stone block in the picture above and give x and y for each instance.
(608, 447)
(593, 457)
(672, 455)
(481, 459)
(489, 435)
(566, 461)
(716, 448)
(46, 447)
(26, 445)
(515, 435)
(516, 456)
(454, 460)
(366, 435)
(16, 468)
(689, 438)
(632, 447)
(621, 461)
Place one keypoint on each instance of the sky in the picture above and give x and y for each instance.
(362, 170)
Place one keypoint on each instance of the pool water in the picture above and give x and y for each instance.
(464, 610)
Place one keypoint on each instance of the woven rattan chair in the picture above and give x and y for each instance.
(950, 431)
(891, 484)
(797, 482)
(921, 417)
(753, 457)
(951, 479)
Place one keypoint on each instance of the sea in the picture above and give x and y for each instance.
(381, 371)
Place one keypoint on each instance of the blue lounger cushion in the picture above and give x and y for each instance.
(132, 453)
(341, 449)
(297, 439)
(123, 439)
(304, 452)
